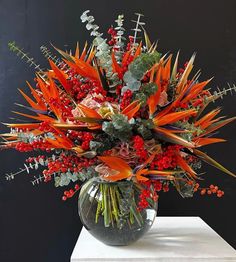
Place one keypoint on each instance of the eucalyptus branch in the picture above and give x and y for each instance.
(220, 93)
(12, 175)
(20, 52)
(37, 180)
(119, 37)
(137, 29)
(48, 54)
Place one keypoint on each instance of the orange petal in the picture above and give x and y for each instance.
(208, 117)
(138, 50)
(84, 52)
(131, 109)
(30, 101)
(173, 117)
(207, 141)
(89, 112)
(60, 75)
(126, 57)
(183, 165)
(117, 164)
(37, 97)
(116, 67)
(170, 137)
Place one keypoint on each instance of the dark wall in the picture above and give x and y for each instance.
(35, 225)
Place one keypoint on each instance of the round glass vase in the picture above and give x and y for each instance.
(109, 211)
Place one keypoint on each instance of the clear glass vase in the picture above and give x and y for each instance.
(110, 212)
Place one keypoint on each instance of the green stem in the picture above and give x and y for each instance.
(106, 206)
(115, 210)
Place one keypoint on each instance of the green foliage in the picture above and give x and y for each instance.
(119, 127)
(138, 68)
(102, 143)
(144, 128)
(145, 92)
(23, 55)
(143, 63)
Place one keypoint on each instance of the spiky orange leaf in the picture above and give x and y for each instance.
(166, 70)
(131, 109)
(77, 50)
(196, 90)
(168, 136)
(154, 99)
(43, 87)
(89, 112)
(126, 57)
(217, 125)
(60, 75)
(84, 52)
(25, 125)
(175, 68)
(207, 118)
(31, 102)
(39, 117)
(173, 117)
(37, 97)
(60, 141)
(116, 67)
(84, 69)
(185, 74)
(207, 141)
(183, 165)
(138, 50)
(91, 55)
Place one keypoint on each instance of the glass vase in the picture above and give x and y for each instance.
(110, 211)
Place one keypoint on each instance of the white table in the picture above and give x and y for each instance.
(171, 239)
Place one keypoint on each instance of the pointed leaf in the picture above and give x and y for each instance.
(204, 157)
(168, 136)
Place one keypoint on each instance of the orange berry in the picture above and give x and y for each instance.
(209, 192)
(203, 192)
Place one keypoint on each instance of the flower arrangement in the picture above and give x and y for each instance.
(120, 111)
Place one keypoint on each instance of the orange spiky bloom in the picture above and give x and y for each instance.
(113, 107)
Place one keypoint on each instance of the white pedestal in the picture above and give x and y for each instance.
(171, 239)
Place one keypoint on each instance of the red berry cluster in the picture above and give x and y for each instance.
(84, 137)
(212, 190)
(148, 193)
(112, 32)
(166, 159)
(70, 193)
(26, 147)
(126, 99)
(143, 203)
(80, 89)
(66, 163)
(141, 152)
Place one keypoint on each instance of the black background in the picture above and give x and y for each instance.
(35, 224)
